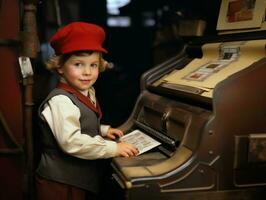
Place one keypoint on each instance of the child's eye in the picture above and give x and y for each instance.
(94, 65)
(78, 64)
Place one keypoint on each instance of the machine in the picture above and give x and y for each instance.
(208, 112)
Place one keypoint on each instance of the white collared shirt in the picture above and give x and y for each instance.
(63, 118)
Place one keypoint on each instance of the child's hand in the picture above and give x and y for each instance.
(126, 150)
(113, 133)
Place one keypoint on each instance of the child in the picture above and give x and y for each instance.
(73, 141)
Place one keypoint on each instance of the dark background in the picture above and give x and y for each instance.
(133, 49)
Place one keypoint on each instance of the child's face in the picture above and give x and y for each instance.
(81, 72)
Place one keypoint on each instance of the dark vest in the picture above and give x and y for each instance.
(61, 167)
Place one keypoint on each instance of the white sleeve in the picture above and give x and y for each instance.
(63, 118)
(104, 129)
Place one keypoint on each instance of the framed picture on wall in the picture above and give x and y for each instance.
(241, 14)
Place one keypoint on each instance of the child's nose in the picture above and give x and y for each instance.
(87, 70)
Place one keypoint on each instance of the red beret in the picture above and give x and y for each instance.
(78, 36)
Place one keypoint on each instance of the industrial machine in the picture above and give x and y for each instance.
(208, 113)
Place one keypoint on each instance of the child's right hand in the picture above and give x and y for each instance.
(126, 150)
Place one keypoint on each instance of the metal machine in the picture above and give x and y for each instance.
(209, 115)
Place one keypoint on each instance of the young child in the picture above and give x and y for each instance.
(74, 148)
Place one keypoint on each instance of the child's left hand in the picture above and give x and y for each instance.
(114, 133)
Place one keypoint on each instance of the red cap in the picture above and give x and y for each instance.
(78, 36)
